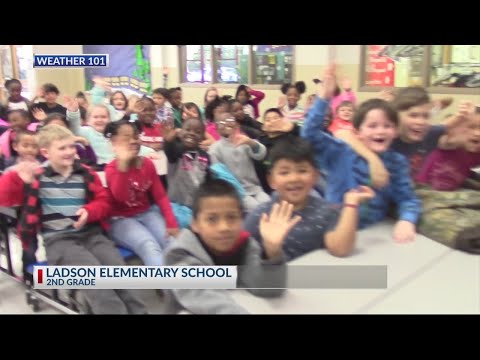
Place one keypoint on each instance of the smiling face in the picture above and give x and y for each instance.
(293, 180)
(99, 118)
(192, 133)
(414, 123)
(377, 131)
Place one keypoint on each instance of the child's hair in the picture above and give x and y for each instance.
(103, 106)
(124, 98)
(191, 105)
(373, 104)
(80, 94)
(49, 87)
(292, 148)
(218, 101)
(299, 85)
(23, 113)
(56, 116)
(11, 82)
(162, 91)
(145, 98)
(214, 188)
(410, 97)
(477, 109)
(211, 88)
(172, 91)
(275, 110)
(242, 88)
(51, 133)
(113, 127)
(345, 103)
(23, 133)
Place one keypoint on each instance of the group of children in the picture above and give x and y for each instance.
(239, 191)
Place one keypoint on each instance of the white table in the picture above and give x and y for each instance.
(375, 246)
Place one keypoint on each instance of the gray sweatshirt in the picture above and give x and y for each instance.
(187, 250)
(239, 161)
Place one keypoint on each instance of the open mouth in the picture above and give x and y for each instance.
(294, 190)
(379, 141)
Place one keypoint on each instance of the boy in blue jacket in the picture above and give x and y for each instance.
(375, 125)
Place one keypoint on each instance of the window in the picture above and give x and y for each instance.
(443, 68)
(236, 64)
(16, 63)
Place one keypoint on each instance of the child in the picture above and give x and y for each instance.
(237, 152)
(175, 98)
(291, 109)
(275, 129)
(213, 110)
(82, 106)
(417, 137)
(450, 211)
(210, 94)
(216, 238)
(26, 148)
(50, 94)
(346, 95)
(15, 99)
(84, 151)
(250, 106)
(293, 175)
(187, 166)
(250, 127)
(446, 170)
(98, 116)
(343, 119)
(151, 132)
(164, 112)
(375, 123)
(19, 120)
(190, 110)
(120, 103)
(134, 186)
(70, 228)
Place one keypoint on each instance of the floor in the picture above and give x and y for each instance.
(13, 295)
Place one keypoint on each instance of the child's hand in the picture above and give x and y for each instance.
(205, 144)
(386, 94)
(274, 228)
(404, 231)
(326, 88)
(239, 139)
(359, 195)
(466, 108)
(379, 174)
(170, 133)
(26, 170)
(173, 231)
(82, 218)
(39, 114)
(70, 103)
(99, 81)
(81, 140)
(124, 154)
(282, 101)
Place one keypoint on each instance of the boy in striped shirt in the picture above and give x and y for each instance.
(66, 202)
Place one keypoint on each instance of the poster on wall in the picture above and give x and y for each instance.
(394, 65)
(129, 67)
(380, 69)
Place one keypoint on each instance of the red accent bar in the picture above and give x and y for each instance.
(40, 276)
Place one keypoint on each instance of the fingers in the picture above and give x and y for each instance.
(264, 218)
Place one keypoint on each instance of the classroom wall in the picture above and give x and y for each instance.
(68, 81)
(310, 61)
